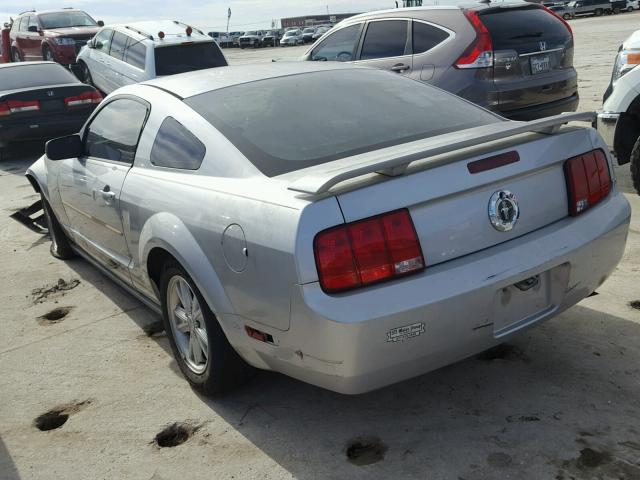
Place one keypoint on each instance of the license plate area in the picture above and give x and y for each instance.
(529, 300)
(540, 64)
(51, 105)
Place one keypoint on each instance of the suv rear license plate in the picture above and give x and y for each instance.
(540, 64)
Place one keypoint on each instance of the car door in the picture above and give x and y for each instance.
(22, 40)
(32, 39)
(386, 45)
(339, 46)
(135, 58)
(118, 73)
(90, 186)
(98, 57)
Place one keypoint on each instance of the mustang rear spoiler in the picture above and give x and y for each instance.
(393, 161)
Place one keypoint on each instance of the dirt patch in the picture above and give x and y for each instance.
(635, 304)
(504, 351)
(54, 316)
(590, 458)
(499, 459)
(58, 416)
(175, 434)
(365, 450)
(598, 463)
(41, 294)
(523, 418)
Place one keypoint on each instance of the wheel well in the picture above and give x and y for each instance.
(627, 132)
(34, 183)
(155, 261)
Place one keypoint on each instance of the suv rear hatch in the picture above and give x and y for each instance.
(533, 56)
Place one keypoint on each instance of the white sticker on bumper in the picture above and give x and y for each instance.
(401, 334)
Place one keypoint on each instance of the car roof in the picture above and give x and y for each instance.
(185, 85)
(27, 64)
(58, 10)
(175, 32)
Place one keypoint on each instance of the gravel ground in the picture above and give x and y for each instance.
(88, 387)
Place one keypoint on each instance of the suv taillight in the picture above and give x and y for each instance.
(367, 251)
(480, 53)
(86, 98)
(588, 180)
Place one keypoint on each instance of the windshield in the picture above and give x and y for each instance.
(308, 30)
(66, 19)
(250, 33)
(187, 58)
(354, 111)
(39, 75)
(290, 33)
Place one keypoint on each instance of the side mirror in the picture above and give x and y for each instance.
(64, 147)
(100, 23)
(33, 28)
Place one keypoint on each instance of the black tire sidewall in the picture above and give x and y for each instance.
(60, 245)
(635, 165)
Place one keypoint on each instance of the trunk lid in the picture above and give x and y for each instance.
(533, 55)
(50, 99)
(449, 205)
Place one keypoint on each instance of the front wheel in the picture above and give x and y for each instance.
(200, 347)
(60, 245)
(635, 166)
(566, 16)
(47, 54)
(15, 56)
(598, 12)
(629, 9)
(86, 74)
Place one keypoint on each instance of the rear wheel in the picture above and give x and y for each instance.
(616, 10)
(200, 347)
(15, 55)
(566, 16)
(60, 245)
(47, 54)
(598, 12)
(629, 9)
(635, 165)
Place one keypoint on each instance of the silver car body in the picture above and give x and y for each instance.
(247, 239)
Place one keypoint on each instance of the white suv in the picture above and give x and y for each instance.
(120, 55)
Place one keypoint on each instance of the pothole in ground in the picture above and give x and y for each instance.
(58, 416)
(175, 434)
(54, 316)
(365, 450)
(635, 304)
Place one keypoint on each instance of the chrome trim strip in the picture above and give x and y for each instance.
(541, 51)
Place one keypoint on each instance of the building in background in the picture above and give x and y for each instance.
(310, 20)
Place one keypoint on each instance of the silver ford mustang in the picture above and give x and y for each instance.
(394, 230)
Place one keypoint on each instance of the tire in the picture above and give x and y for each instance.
(598, 12)
(60, 245)
(629, 9)
(616, 11)
(635, 166)
(566, 16)
(47, 54)
(222, 369)
(86, 74)
(15, 55)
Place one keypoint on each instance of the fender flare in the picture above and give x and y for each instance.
(37, 176)
(168, 232)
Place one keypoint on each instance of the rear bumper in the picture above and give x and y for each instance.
(569, 104)
(351, 344)
(42, 128)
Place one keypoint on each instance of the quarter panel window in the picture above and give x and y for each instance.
(425, 37)
(340, 46)
(176, 147)
(33, 21)
(118, 43)
(384, 39)
(114, 132)
(24, 24)
(135, 53)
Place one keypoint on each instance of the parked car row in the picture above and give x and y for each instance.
(332, 254)
(577, 8)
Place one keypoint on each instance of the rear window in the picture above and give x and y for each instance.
(28, 76)
(512, 29)
(354, 111)
(187, 58)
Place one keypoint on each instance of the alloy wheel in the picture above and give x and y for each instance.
(188, 326)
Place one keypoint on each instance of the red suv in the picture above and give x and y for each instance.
(55, 35)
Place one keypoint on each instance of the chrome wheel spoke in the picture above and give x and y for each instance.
(202, 340)
(182, 324)
(184, 294)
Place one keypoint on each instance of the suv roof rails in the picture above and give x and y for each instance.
(140, 32)
(27, 11)
(185, 25)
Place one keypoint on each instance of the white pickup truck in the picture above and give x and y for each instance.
(619, 120)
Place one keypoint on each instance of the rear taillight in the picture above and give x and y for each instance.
(588, 180)
(19, 106)
(86, 98)
(480, 53)
(367, 251)
(566, 24)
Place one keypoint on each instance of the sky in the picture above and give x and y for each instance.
(210, 15)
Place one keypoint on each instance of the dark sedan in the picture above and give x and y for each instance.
(42, 100)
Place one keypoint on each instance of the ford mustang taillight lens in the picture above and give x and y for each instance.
(367, 251)
(86, 98)
(588, 180)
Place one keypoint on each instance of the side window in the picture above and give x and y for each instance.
(33, 22)
(176, 147)
(114, 132)
(102, 41)
(339, 46)
(118, 42)
(387, 38)
(135, 53)
(425, 37)
(24, 24)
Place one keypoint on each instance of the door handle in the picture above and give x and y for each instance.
(107, 194)
(400, 67)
